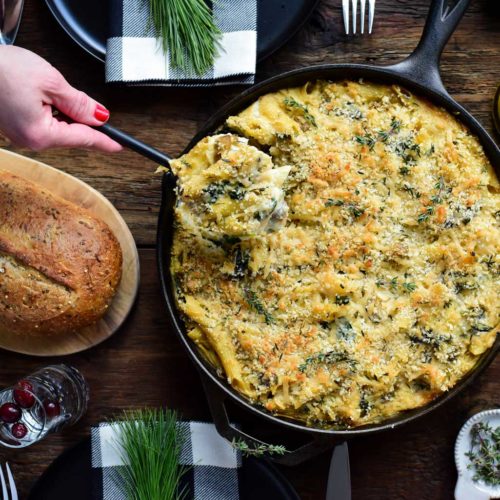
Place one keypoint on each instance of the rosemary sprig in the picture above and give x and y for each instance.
(188, 32)
(151, 447)
(258, 449)
(484, 454)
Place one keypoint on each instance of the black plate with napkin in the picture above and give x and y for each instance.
(135, 56)
(217, 471)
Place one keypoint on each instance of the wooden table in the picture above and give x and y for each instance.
(144, 364)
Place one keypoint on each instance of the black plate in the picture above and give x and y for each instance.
(69, 476)
(86, 22)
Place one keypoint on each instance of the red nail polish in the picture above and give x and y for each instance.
(101, 113)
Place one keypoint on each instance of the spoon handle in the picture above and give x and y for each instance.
(135, 144)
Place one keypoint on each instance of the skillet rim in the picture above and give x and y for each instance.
(378, 74)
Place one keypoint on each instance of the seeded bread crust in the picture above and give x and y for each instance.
(59, 265)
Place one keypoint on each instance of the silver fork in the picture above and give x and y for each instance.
(354, 4)
(12, 484)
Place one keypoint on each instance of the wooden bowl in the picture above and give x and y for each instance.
(76, 191)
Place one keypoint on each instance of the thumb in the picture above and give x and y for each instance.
(76, 104)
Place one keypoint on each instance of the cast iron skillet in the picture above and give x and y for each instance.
(419, 73)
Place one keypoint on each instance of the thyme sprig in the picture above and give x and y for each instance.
(188, 32)
(484, 454)
(292, 103)
(257, 449)
(254, 302)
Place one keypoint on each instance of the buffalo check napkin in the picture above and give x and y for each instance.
(135, 56)
(213, 463)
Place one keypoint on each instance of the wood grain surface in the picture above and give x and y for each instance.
(76, 191)
(144, 363)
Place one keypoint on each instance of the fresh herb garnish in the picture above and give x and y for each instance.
(258, 449)
(254, 301)
(342, 300)
(150, 444)
(484, 453)
(481, 327)
(188, 33)
(429, 337)
(413, 192)
(395, 128)
(366, 140)
(327, 357)
(424, 217)
(440, 184)
(333, 203)
(290, 102)
(407, 150)
(409, 287)
(356, 211)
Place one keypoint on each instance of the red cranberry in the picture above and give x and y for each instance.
(19, 430)
(10, 413)
(23, 396)
(52, 409)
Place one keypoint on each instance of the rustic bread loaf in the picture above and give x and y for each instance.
(59, 265)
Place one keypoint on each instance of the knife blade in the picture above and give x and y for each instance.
(10, 17)
(339, 476)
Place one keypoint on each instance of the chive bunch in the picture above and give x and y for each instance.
(188, 33)
(150, 446)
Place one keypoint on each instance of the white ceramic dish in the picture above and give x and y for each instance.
(466, 488)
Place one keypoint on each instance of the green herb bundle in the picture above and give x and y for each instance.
(485, 453)
(188, 33)
(151, 449)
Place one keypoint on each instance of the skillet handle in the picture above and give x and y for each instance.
(135, 144)
(217, 404)
(423, 64)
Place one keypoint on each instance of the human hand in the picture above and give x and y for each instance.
(29, 89)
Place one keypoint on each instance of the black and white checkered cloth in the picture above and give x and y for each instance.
(212, 462)
(135, 56)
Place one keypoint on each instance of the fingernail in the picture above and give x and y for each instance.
(101, 113)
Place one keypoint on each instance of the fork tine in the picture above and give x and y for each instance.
(345, 10)
(4, 486)
(362, 16)
(371, 14)
(12, 484)
(354, 15)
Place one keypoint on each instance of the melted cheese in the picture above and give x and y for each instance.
(228, 189)
(381, 290)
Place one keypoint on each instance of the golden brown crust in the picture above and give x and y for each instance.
(59, 265)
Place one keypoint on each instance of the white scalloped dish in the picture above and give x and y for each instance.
(467, 488)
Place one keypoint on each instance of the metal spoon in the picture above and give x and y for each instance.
(10, 18)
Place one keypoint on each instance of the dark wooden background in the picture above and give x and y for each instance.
(144, 364)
